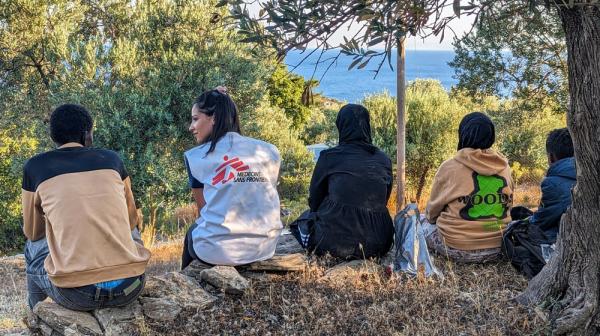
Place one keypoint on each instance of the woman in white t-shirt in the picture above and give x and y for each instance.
(233, 180)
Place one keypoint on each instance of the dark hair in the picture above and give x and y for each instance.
(223, 108)
(559, 143)
(70, 123)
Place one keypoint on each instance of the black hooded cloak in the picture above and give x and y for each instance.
(349, 190)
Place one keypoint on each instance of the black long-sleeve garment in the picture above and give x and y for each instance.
(349, 191)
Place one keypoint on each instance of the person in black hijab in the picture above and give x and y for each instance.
(476, 130)
(349, 190)
(471, 196)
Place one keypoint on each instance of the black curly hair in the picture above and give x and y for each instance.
(70, 123)
(559, 144)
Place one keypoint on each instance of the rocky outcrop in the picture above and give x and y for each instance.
(55, 319)
(121, 320)
(280, 263)
(164, 298)
(226, 278)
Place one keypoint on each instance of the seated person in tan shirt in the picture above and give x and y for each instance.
(471, 196)
(79, 218)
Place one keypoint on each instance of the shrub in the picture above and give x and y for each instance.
(432, 118)
(265, 123)
(286, 90)
(15, 148)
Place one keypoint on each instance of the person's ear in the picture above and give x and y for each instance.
(89, 138)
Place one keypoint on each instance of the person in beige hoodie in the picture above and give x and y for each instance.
(471, 196)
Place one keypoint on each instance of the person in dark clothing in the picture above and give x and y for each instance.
(556, 186)
(349, 190)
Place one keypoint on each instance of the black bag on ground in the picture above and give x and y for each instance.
(302, 228)
(521, 244)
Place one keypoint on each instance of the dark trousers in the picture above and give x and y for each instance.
(84, 298)
(189, 254)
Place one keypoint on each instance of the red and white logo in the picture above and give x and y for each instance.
(228, 170)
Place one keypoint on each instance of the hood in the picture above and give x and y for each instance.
(354, 126)
(483, 161)
(563, 168)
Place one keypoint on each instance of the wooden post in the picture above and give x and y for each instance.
(400, 124)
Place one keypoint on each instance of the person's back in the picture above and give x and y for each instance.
(349, 191)
(556, 186)
(78, 217)
(81, 193)
(471, 196)
(240, 222)
(234, 182)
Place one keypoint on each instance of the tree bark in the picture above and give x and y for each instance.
(400, 128)
(569, 285)
(421, 185)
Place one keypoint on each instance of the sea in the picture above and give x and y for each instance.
(353, 85)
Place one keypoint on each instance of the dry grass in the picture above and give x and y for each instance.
(528, 195)
(13, 295)
(473, 300)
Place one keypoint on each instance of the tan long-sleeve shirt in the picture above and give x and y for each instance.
(80, 199)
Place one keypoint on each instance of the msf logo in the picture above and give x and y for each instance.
(228, 170)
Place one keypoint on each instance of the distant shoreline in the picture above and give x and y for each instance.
(353, 85)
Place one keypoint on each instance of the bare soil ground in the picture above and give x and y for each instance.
(472, 300)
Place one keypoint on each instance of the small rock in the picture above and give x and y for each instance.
(350, 270)
(180, 289)
(280, 263)
(18, 333)
(126, 320)
(226, 278)
(159, 309)
(71, 331)
(541, 313)
(31, 320)
(46, 330)
(195, 268)
(287, 244)
(60, 318)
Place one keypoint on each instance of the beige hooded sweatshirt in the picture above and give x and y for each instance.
(470, 200)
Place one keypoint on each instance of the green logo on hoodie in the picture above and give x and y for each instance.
(487, 199)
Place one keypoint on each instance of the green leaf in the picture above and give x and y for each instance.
(456, 8)
(376, 41)
(251, 39)
(353, 64)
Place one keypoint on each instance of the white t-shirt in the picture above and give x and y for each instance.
(240, 222)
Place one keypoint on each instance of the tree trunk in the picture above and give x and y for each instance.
(570, 283)
(421, 185)
(400, 128)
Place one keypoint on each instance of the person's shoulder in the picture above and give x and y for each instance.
(197, 150)
(37, 161)
(108, 153)
(261, 143)
(451, 163)
(38, 158)
(383, 155)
